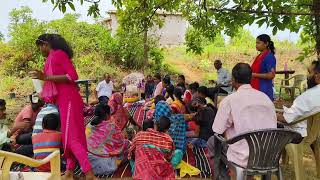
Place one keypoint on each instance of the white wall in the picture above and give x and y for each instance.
(171, 33)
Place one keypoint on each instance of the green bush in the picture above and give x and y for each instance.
(194, 41)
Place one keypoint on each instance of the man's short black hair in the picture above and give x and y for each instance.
(218, 61)
(3, 102)
(242, 73)
(51, 121)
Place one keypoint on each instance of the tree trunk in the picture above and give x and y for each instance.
(145, 38)
(145, 47)
(316, 11)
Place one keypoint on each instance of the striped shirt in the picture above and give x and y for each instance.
(44, 144)
(49, 109)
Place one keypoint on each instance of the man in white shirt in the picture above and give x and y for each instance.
(307, 103)
(223, 82)
(104, 89)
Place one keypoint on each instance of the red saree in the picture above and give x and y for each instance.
(150, 163)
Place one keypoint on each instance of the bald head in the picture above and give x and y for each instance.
(107, 77)
(218, 64)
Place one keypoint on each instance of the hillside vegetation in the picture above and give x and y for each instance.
(97, 52)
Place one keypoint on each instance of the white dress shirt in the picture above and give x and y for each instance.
(307, 103)
(105, 89)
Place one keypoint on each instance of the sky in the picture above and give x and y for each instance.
(43, 11)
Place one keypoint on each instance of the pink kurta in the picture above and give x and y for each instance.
(70, 106)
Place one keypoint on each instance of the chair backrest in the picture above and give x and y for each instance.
(265, 146)
(9, 158)
(298, 79)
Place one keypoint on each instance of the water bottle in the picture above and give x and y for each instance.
(286, 66)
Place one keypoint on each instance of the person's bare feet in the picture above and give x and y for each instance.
(90, 176)
(68, 175)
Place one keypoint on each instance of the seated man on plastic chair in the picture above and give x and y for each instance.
(223, 83)
(307, 103)
(245, 110)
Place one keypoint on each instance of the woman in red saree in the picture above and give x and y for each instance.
(119, 115)
(60, 88)
(152, 150)
(264, 66)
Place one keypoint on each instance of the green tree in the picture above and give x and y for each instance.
(139, 16)
(63, 4)
(243, 38)
(194, 41)
(213, 16)
(23, 31)
(136, 17)
(92, 43)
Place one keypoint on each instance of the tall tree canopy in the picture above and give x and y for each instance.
(210, 17)
(139, 16)
(213, 16)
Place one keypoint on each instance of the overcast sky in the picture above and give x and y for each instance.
(43, 11)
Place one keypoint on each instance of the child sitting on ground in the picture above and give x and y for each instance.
(48, 141)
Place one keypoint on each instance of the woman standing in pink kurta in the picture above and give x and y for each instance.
(60, 88)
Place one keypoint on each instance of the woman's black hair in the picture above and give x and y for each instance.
(158, 98)
(101, 112)
(267, 40)
(163, 124)
(147, 124)
(158, 76)
(56, 42)
(182, 77)
(178, 93)
(2, 103)
(166, 80)
(203, 90)
(170, 91)
(194, 86)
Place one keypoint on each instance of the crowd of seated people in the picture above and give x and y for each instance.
(178, 116)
